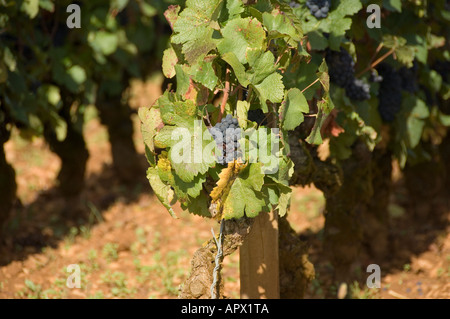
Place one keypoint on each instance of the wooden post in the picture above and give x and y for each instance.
(259, 261)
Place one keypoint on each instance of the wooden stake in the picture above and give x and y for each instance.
(259, 261)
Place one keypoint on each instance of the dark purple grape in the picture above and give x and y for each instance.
(227, 134)
(340, 67)
(319, 8)
(390, 92)
(358, 90)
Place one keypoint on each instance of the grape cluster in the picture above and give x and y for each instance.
(409, 78)
(226, 134)
(319, 8)
(257, 116)
(443, 68)
(294, 4)
(342, 72)
(390, 92)
(340, 67)
(358, 90)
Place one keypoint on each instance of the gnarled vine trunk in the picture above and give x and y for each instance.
(72, 151)
(356, 217)
(116, 116)
(8, 186)
(296, 271)
(445, 158)
(343, 234)
(198, 284)
(374, 219)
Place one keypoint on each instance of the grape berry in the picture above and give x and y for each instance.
(226, 134)
(409, 78)
(358, 90)
(342, 72)
(319, 8)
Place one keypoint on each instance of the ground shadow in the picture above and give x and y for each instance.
(50, 218)
(413, 230)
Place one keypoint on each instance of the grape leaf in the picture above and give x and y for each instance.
(245, 195)
(198, 205)
(203, 73)
(415, 121)
(169, 61)
(171, 14)
(238, 68)
(235, 8)
(183, 80)
(242, 108)
(272, 89)
(150, 123)
(292, 109)
(193, 154)
(164, 193)
(325, 106)
(240, 36)
(278, 24)
(261, 68)
(194, 28)
(393, 5)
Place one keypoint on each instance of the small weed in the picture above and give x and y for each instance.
(118, 283)
(30, 291)
(141, 236)
(110, 251)
(70, 239)
(357, 293)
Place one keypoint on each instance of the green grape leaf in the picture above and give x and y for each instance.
(317, 40)
(238, 68)
(183, 79)
(198, 205)
(348, 8)
(30, 7)
(283, 202)
(261, 68)
(169, 61)
(164, 193)
(235, 8)
(171, 14)
(245, 195)
(278, 24)
(323, 76)
(192, 149)
(103, 41)
(203, 73)
(163, 138)
(240, 36)
(77, 73)
(303, 76)
(292, 109)
(194, 28)
(242, 108)
(272, 89)
(415, 121)
(325, 106)
(151, 122)
(393, 5)
(192, 188)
